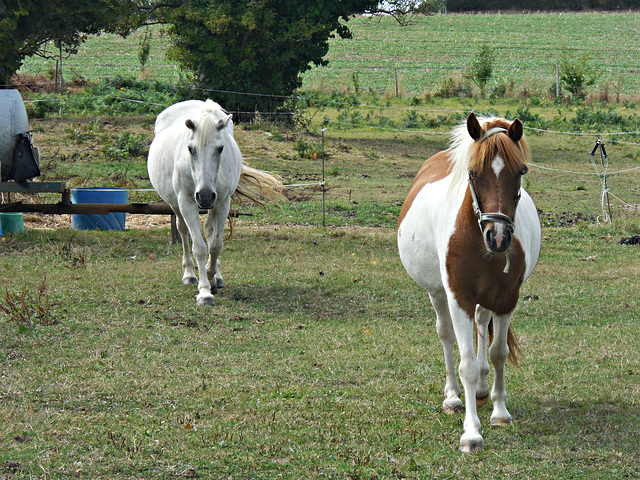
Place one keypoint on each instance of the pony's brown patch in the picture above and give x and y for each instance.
(435, 168)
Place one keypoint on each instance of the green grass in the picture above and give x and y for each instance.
(320, 359)
(424, 54)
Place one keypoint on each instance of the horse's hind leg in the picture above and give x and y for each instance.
(452, 402)
(483, 317)
(189, 275)
(214, 231)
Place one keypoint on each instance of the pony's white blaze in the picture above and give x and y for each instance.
(497, 165)
(443, 250)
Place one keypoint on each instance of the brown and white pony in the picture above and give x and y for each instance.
(469, 234)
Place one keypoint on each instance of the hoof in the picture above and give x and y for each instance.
(453, 407)
(189, 281)
(500, 422)
(482, 401)
(468, 446)
(207, 300)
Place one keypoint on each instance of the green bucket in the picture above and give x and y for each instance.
(11, 222)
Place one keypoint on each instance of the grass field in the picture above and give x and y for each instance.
(321, 358)
(424, 54)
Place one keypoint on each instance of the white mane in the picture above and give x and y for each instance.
(460, 146)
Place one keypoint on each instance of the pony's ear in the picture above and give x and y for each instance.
(223, 122)
(516, 130)
(473, 126)
(190, 124)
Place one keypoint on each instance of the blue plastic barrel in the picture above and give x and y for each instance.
(110, 221)
(11, 222)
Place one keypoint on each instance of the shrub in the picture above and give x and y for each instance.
(576, 74)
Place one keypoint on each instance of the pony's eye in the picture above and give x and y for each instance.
(524, 170)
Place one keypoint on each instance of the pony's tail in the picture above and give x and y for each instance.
(512, 343)
(257, 186)
(514, 347)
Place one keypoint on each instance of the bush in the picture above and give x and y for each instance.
(576, 74)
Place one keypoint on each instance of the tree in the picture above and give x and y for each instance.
(480, 69)
(260, 47)
(27, 25)
(576, 74)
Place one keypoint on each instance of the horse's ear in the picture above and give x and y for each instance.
(516, 130)
(223, 122)
(473, 126)
(190, 124)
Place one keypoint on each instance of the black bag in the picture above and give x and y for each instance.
(25, 166)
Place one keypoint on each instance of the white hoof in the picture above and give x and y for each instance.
(453, 406)
(205, 300)
(471, 444)
(189, 280)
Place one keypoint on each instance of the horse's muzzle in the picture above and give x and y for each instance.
(497, 237)
(205, 198)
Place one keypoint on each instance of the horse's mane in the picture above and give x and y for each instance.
(467, 154)
(207, 119)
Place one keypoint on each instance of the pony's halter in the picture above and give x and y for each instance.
(491, 216)
(508, 223)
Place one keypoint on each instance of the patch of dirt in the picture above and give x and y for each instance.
(565, 219)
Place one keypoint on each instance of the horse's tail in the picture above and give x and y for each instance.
(257, 186)
(514, 346)
(512, 343)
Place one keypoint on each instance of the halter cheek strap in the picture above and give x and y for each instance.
(491, 216)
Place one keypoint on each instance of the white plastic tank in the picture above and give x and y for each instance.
(13, 120)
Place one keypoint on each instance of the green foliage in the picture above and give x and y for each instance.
(255, 46)
(27, 25)
(576, 73)
(126, 146)
(480, 69)
(145, 48)
(307, 149)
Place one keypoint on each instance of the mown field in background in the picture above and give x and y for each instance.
(424, 53)
(321, 359)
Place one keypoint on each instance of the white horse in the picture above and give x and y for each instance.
(470, 235)
(195, 163)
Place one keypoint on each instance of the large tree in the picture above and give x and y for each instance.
(27, 25)
(255, 46)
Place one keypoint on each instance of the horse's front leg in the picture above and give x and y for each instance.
(191, 217)
(214, 230)
(483, 317)
(499, 353)
(469, 372)
(189, 275)
(452, 402)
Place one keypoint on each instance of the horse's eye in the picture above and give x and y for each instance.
(192, 150)
(473, 175)
(524, 170)
(220, 148)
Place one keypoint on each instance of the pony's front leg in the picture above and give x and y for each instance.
(189, 275)
(214, 230)
(469, 372)
(192, 219)
(452, 402)
(483, 317)
(499, 353)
